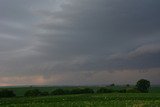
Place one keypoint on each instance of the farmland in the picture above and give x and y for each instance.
(87, 100)
(151, 99)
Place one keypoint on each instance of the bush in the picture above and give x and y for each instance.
(32, 93)
(58, 92)
(105, 90)
(132, 90)
(5, 93)
(73, 91)
(67, 91)
(112, 85)
(127, 85)
(122, 91)
(76, 91)
(87, 90)
(44, 93)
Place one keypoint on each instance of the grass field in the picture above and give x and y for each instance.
(87, 100)
(151, 99)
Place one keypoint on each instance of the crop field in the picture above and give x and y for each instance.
(151, 99)
(86, 100)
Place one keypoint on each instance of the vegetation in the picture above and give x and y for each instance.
(87, 90)
(44, 93)
(109, 96)
(81, 91)
(127, 85)
(32, 93)
(143, 85)
(132, 90)
(87, 100)
(112, 85)
(58, 92)
(105, 90)
(5, 93)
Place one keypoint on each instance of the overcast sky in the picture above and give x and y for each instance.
(79, 42)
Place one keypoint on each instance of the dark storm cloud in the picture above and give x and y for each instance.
(142, 58)
(96, 29)
(55, 37)
(17, 25)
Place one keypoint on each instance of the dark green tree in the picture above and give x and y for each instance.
(105, 90)
(76, 91)
(44, 93)
(143, 85)
(112, 85)
(32, 93)
(58, 92)
(127, 85)
(87, 90)
(4, 93)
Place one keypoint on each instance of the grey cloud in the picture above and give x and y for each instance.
(143, 58)
(50, 37)
(97, 29)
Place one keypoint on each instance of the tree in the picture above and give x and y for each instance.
(87, 90)
(127, 85)
(44, 93)
(143, 85)
(6, 93)
(112, 85)
(105, 90)
(77, 91)
(32, 93)
(58, 92)
(132, 90)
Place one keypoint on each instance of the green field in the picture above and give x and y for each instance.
(151, 99)
(87, 100)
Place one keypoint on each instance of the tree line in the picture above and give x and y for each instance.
(142, 86)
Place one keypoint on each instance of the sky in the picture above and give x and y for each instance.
(79, 42)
